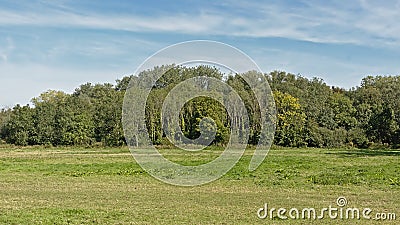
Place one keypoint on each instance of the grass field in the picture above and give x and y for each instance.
(106, 186)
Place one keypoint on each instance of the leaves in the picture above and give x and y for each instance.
(309, 112)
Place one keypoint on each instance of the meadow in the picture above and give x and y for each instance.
(106, 186)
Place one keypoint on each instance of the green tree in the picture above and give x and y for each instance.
(44, 116)
(382, 126)
(20, 128)
(290, 120)
(73, 122)
(105, 108)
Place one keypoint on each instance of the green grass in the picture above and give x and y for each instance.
(106, 186)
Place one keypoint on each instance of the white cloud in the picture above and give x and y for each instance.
(357, 22)
(334, 22)
(4, 57)
(7, 49)
(175, 23)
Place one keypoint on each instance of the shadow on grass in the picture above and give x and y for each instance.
(365, 152)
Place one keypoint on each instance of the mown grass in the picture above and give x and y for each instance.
(106, 186)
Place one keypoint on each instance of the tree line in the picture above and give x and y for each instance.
(309, 112)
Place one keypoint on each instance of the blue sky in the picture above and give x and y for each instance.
(60, 44)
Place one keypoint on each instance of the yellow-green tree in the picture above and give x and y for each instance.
(290, 120)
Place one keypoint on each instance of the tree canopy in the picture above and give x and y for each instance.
(309, 112)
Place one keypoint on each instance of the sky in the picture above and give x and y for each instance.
(60, 44)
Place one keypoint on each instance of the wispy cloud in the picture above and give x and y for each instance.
(8, 47)
(174, 23)
(360, 22)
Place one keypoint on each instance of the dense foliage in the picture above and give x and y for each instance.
(309, 113)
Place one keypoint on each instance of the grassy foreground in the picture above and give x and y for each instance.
(106, 186)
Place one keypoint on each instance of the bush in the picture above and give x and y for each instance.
(358, 137)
